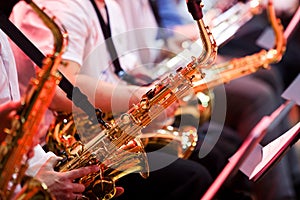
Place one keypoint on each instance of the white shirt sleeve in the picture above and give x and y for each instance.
(9, 88)
(69, 14)
(36, 162)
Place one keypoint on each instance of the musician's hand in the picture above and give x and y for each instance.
(7, 111)
(61, 184)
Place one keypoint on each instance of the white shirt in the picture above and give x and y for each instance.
(86, 42)
(143, 29)
(9, 89)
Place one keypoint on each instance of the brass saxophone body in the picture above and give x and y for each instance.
(117, 149)
(239, 67)
(19, 140)
(224, 24)
(216, 75)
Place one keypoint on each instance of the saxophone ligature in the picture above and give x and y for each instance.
(117, 149)
(19, 139)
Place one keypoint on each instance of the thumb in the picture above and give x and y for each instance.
(51, 162)
(10, 106)
(13, 105)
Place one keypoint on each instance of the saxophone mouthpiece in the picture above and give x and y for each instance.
(195, 8)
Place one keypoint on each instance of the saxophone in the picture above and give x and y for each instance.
(216, 75)
(117, 149)
(239, 67)
(182, 141)
(223, 27)
(19, 141)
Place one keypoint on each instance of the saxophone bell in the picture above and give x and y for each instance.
(115, 158)
(180, 142)
(117, 149)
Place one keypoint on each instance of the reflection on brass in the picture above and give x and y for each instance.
(19, 140)
(117, 149)
(180, 142)
(238, 67)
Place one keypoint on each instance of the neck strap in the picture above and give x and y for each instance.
(73, 93)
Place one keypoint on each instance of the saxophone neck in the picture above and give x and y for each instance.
(59, 33)
(238, 67)
(209, 51)
(275, 54)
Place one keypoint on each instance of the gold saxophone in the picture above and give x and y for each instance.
(19, 140)
(239, 67)
(223, 27)
(186, 136)
(182, 141)
(117, 149)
